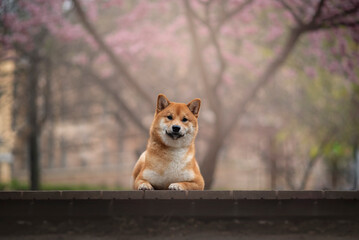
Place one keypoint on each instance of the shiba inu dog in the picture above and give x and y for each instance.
(169, 160)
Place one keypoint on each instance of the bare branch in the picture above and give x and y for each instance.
(220, 57)
(119, 119)
(196, 16)
(332, 21)
(315, 27)
(213, 36)
(115, 60)
(345, 24)
(294, 14)
(209, 160)
(265, 77)
(209, 163)
(198, 55)
(107, 89)
(318, 11)
(289, 179)
(232, 13)
(345, 13)
(118, 100)
(314, 159)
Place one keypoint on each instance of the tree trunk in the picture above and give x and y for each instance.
(209, 162)
(50, 144)
(33, 151)
(272, 163)
(334, 175)
(355, 144)
(356, 166)
(48, 115)
(307, 172)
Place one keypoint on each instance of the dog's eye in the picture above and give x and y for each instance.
(169, 117)
(184, 119)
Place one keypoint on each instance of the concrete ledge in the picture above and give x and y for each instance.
(210, 195)
(204, 204)
(166, 194)
(341, 194)
(300, 194)
(81, 195)
(45, 195)
(122, 195)
(255, 195)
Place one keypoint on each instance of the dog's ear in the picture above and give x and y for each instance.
(162, 103)
(194, 106)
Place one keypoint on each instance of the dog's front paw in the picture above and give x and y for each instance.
(145, 186)
(175, 186)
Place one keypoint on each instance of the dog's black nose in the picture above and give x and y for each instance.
(176, 128)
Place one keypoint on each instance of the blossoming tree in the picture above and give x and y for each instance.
(226, 51)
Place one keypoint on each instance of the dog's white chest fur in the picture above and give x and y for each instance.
(174, 172)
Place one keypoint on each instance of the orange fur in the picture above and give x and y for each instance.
(169, 161)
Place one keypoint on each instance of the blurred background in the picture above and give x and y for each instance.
(279, 83)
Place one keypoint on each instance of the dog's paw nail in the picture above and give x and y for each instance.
(145, 186)
(175, 186)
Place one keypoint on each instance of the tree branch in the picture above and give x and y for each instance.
(117, 99)
(215, 42)
(318, 11)
(342, 14)
(119, 119)
(107, 89)
(294, 14)
(115, 60)
(197, 17)
(315, 27)
(198, 55)
(331, 22)
(266, 76)
(217, 46)
(289, 179)
(232, 13)
(313, 160)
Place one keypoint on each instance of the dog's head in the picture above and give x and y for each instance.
(175, 124)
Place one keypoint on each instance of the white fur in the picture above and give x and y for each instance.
(175, 186)
(174, 172)
(145, 186)
(184, 141)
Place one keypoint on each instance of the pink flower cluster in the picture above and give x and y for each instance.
(158, 30)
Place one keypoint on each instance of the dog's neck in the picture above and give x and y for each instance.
(157, 145)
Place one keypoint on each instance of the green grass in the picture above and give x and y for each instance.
(17, 185)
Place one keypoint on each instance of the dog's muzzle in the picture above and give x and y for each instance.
(174, 135)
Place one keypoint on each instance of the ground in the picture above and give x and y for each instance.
(167, 228)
